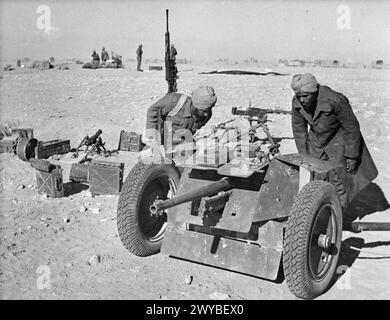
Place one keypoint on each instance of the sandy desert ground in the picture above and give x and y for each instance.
(37, 231)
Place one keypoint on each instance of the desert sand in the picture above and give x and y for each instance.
(36, 231)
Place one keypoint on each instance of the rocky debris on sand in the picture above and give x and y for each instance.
(41, 65)
(86, 194)
(95, 210)
(94, 260)
(30, 186)
(15, 202)
(44, 196)
(59, 229)
(22, 186)
(188, 280)
(8, 67)
(218, 296)
(82, 208)
(66, 220)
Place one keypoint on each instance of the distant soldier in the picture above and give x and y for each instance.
(324, 126)
(139, 57)
(173, 54)
(95, 57)
(105, 55)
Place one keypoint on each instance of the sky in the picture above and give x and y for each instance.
(201, 30)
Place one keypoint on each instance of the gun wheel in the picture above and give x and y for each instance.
(140, 232)
(312, 240)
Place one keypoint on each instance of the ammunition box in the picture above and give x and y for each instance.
(130, 141)
(49, 182)
(8, 144)
(47, 149)
(79, 172)
(23, 132)
(105, 177)
(41, 165)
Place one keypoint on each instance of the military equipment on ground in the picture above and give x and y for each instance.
(358, 226)
(251, 209)
(105, 177)
(95, 142)
(170, 65)
(46, 149)
(19, 142)
(8, 144)
(79, 172)
(48, 177)
(23, 132)
(25, 148)
(130, 141)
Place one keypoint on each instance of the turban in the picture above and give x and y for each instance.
(304, 83)
(204, 97)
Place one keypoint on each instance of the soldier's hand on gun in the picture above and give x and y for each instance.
(351, 165)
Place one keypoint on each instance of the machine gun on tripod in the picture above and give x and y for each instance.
(258, 118)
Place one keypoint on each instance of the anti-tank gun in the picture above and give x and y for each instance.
(237, 203)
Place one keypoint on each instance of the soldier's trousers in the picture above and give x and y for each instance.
(333, 177)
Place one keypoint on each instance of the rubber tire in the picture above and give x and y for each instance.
(129, 231)
(297, 236)
(25, 148)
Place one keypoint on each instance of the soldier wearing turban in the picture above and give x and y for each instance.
(324, 126)
(180, 111)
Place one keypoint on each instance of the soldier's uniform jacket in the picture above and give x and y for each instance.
(334, 133)
(175, 108)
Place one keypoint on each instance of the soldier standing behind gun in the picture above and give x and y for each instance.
(334, 135)
(139, 57)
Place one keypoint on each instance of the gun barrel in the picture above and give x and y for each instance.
(278, 111)
(257, 112)
(166, 12)
(358, 226)
(204, 191)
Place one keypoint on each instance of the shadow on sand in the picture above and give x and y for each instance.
(71, 188)
(370, 200)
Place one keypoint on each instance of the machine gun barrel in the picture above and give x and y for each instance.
(257, 112)
(205, 191)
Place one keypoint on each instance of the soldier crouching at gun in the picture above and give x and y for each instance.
(176, 111)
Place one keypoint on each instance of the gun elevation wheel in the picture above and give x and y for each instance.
(312, 240)
(140, 232)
